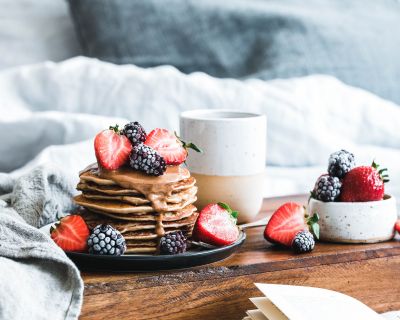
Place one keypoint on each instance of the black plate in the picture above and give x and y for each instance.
(136, 262)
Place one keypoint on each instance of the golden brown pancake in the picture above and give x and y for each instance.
(123, 208)
(93, 219)
(91, 215)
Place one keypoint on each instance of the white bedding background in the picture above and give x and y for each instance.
(50, 112)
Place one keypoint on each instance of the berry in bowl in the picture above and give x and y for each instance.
(351, 202)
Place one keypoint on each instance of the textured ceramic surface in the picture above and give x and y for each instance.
(231, 168)
(234, 143)
(355, 222)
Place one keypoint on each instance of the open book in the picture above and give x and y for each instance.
(284, 302)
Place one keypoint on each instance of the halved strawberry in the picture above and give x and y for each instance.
(286, 222)
(397, 226)
(71, 233)
(169, 146)
(112, 148)
(216, 225)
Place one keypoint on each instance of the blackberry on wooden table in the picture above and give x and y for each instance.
(303, 242)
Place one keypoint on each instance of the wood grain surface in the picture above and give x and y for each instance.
(369, 272)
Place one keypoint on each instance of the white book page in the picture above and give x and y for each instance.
(268, 309)
(256, 315)
(308, 303)
(394, 315)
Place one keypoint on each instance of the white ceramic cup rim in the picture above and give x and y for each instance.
(220, 115)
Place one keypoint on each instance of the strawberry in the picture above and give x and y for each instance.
(287, 221)
(216, 225)
(169, 146)
(397, 226)
(71, 233)
(365, 183)
(112, 148)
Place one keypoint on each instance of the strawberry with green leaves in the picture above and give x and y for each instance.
(169, 146)
(216, 225)
(365, 183)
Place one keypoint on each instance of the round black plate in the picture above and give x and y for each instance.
(136, 262)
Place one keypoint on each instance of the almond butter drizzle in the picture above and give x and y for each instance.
(155, 189)
(159, 225)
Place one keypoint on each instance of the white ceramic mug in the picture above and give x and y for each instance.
(231, 168)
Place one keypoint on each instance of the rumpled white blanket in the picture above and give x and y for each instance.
(50, 113)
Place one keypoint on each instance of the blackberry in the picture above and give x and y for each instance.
(173, 243)
(303, 242)
(146, 159)
(106, 240)
(327, 188)
(134, 132)
(340, 162)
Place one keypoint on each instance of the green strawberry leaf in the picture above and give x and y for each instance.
(312, 196)
(233, 214)
(312, 222)
(115, 128)
(315, 230)
(382, 172)
(189, 145)
(225, 206)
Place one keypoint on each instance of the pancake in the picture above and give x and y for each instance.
(111, 206)
(135, 200)
(101, 193)
(114, 189)
(143, 250)
(142, 243)
(125, 209)
(106, 190)
(92, 215)
(91, 174)
(149, 236)
(93, 219)
(178, 181)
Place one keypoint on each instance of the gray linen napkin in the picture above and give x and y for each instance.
(37, 279)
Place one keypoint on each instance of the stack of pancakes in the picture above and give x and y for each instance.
(143, 208)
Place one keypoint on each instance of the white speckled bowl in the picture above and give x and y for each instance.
(355, 222)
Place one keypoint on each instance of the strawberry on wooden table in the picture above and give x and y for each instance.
(365, 183)
(71, 233)
(169, 146)
(288, 223)
(216, 225)
(112, 148)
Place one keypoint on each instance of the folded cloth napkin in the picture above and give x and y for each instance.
(38, 280)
